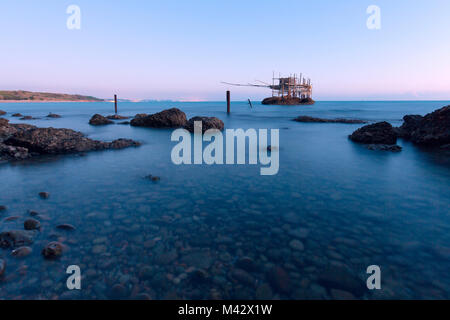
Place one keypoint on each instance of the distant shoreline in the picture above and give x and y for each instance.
(46, 101)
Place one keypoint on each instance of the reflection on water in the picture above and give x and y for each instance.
(225, 231)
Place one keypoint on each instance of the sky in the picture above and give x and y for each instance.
(182, 50)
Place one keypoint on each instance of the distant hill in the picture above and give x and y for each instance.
(43, 96)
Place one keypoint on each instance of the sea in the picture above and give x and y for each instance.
(202, 231)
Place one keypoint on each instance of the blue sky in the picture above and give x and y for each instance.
(181, 50)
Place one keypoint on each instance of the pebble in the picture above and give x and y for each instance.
(21, 252)
(65, 226)
(3, 208)
(52, 250)
(31, 224)
(297, 245)
(44, 195)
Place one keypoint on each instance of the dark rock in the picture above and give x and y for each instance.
(13, 152)
(339, 120)
(153, 178)
(247, 264)
(116, 117)
(118, 291)
(53, 115)
(207, 123)
(3, 122)
(21, 252)
(341, 279)
(2, 113)
(52, 250)
(26, 118)
(33, 213)
(378, 133)
(31, 224)
(99, 120)
(384, 147)
(242, 276)
(433, 129)
(279, 279)
(16, 238)
(171, 118)
(123, 143)
(410, 124)
(2, 267)
(65, 226)
(288, 101)
(3, 208)
(124, 122)
(44, 195)
(60, 141)
(17, 115)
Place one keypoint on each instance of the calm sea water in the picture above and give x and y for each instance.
(186, 235)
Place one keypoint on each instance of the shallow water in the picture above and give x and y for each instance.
(350, 208)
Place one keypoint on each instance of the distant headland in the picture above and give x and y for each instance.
(28, 96)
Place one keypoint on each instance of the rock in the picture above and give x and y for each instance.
(3, 208)
(432, 130)
(3, 122)
(38, 141)
(384, 147)
(2, 267)
(53, 115)
(52, 250)
(118, 291)
(297, 245)
(16, 238)
(171, 118)
(13, 153)
(319, 120)
(341, 295)
(123, 143)
(44, 195)
(288, 101)
(116, 117)
(31, 224)
(99, 120)
(242, 276)
(279, 279)
(410, 124)
(207, 123)
(341, 279)
(378, 133)
(17, 115)
(26, 118)
(153, 178)
(21, 252)
(65, 226)
(247, 264)
(198, 276)
(2, 113)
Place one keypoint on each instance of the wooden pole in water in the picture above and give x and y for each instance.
(228, 102)
(115, 103)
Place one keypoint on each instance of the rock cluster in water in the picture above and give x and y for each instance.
(432, 129)
(288, 101)
(175, 118)
(22, 141)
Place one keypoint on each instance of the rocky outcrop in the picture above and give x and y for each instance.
(20, 141)
(320, 120)
(377, 133)
(384, 147)
(431, 130)
(288, 101)
(207, 123)
(171, 118)
(2, 113)
(53, 115)
(99, 120)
